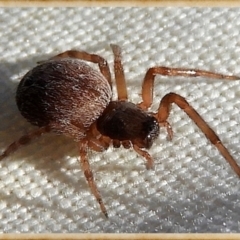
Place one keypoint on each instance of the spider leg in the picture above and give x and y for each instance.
(89, 175)
(168, 126)
(126, 144)
(119, 73)
(96, 141)
(24, 140)
(148, 82)
(102, 63)
(116, 143)
(163, 113)
(99, 145)
(146, 155)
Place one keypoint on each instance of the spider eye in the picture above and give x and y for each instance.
(151, 129)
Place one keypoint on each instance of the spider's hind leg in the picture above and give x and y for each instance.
(24, 140)
(82, 55)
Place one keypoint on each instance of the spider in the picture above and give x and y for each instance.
(67, 96)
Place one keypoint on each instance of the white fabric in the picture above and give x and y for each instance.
(192, 189)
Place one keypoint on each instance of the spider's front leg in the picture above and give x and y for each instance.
(164, 108)
(148, 82)
(163, 113)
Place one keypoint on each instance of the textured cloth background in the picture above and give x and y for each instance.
(191, 189)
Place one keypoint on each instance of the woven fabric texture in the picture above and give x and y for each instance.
(191, 189)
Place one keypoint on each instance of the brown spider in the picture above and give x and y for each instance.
(66, 96)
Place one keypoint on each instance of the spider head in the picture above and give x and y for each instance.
(149, 132)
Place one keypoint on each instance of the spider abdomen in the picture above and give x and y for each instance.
(65, 94)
